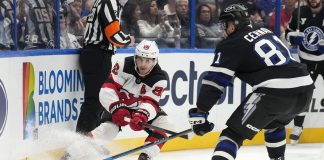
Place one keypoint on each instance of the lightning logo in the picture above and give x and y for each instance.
(312, 36)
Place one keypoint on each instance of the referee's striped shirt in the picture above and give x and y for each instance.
(103, 25)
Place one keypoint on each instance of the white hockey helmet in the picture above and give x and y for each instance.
(147, 49)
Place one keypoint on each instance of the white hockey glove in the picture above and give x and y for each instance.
(321, 46)
(295, 38)
(200, 124)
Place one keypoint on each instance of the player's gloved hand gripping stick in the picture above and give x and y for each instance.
(119, 111)
(139, 117)
(200, 124)
(296, 38)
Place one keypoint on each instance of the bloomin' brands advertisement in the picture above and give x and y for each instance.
(52, 97)
(3, 107)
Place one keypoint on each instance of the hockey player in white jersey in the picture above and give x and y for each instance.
(132, 91)
(130, 96)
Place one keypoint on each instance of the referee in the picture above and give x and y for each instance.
(102, 36)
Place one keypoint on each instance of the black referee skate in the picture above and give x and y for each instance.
(144, 156)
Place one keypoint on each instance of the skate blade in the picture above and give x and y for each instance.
(294, 142)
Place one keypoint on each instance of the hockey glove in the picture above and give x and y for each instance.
(119, 111)
(321, 46)
(199, 123)
(295, 38)
(139, 116)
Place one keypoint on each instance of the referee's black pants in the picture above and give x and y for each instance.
(96, 66)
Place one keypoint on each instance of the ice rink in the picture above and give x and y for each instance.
(302, 151)
(307, 151)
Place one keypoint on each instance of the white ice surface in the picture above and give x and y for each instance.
(307, 151)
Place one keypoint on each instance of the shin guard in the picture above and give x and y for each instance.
(228, 144)
(275, 141)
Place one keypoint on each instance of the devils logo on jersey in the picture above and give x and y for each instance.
(312, 36)
(146, 47)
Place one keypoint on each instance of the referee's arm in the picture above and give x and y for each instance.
(112, 28)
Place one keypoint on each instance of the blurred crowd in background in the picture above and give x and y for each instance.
(169, 26)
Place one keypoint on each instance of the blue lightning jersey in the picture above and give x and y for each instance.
(257, 57)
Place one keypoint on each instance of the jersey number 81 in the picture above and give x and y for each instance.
(273, 51)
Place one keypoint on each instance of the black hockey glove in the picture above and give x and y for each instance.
(200, 124)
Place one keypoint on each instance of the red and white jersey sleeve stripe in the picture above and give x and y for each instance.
(109, 92)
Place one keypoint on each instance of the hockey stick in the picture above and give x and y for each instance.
(149, 126)
(148, 145)
(298, 21)
(298, 16)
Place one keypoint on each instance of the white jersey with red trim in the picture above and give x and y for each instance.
(124, 84)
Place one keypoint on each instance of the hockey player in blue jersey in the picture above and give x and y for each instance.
(309, 36)
(281, 87)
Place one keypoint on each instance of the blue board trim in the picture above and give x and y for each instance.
(44, 52)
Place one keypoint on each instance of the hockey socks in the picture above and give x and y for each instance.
(228, 144)
(275, 141)
(154, 150)
(299, 120)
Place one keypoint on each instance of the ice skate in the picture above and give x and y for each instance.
(279, 158)
(295, 135)
(85, 150)
(144, 156)
(66, 156)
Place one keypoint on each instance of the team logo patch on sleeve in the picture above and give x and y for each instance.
(312, 36)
